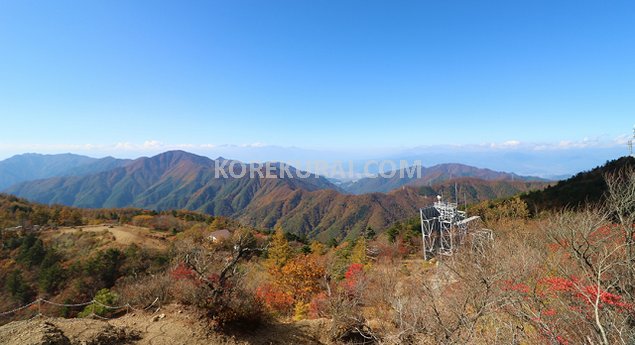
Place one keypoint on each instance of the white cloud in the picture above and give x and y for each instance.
(152, 144)
(517, 145)
(511, 143)
(623, 139)
(245, 151)
(256, 144)
(124, 146)
(505, 145)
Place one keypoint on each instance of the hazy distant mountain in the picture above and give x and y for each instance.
(547, 163)
(32, 166)
(429, 176)
(587, 187)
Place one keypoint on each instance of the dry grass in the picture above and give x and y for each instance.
(119, 235)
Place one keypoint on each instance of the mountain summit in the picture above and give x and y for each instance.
(173, 179)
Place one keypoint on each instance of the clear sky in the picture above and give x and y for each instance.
(75, 75)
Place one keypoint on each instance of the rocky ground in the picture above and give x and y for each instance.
(170, 325)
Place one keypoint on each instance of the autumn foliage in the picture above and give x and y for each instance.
(294, 279)
(275, 298)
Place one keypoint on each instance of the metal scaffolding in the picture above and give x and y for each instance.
(443, 228)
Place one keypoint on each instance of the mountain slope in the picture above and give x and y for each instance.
(584, 188)
(429, 176)
(326, 213)
(33, 166)
(472, 190)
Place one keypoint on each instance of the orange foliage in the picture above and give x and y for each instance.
(318, 305)
(275, 298)
(296, 282)
(301, 277)
(352, 277)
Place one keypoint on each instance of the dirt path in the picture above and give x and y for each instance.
(124, 234)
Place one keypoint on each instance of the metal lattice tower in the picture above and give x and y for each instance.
(443, 228)
(630, 144)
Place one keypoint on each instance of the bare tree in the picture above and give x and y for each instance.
(620, 207)
(216, 267)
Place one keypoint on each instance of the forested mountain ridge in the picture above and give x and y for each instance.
(171, 180)
(585, 188)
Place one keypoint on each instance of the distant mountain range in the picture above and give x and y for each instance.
(175, 179)
(312, 206)
(32, 166)
(428, 177)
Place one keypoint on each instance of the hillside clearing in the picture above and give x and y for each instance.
(124, 235)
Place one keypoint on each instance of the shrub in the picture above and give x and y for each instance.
(301, 277)
(277, 301)
(32, 251)
(318, 307)
(18, 288)
(301, 311)
(51, 278)
(212, 279)
(103, 300)
(105, 266)
(143, 292)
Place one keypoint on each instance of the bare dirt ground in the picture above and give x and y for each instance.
(172, 324)
(123, 234)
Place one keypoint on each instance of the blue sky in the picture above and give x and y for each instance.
(128, 77)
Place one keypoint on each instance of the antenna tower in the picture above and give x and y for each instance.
(443, 227)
